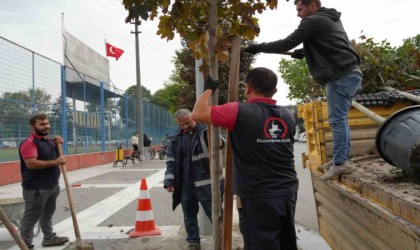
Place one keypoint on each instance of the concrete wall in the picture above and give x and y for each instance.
(10, 171)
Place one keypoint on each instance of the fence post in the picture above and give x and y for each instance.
(126, 119)
(63, 108)
(203, 220)
(86, 141)
(102, 118)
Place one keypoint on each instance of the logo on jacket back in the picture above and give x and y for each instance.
(275, 128)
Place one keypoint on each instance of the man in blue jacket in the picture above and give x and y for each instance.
(188, 173)
(332, 63)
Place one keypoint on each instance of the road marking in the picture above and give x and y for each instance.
(89, 218)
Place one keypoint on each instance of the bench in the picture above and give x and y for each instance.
(132, 156)
(125, 155)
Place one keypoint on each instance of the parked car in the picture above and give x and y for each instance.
(302, 138)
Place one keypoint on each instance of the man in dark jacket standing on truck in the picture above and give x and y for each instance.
(332, 63)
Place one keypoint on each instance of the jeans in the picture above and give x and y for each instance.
(39, 205)
(190, 196)
(340, 94)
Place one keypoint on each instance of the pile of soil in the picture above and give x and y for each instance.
(379, 173)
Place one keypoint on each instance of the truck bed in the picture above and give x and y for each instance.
(370, 208)
(374, 207)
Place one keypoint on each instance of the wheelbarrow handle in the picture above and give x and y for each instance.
(12, 230)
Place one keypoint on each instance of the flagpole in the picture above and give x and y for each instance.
(63, 87)
(63, 34)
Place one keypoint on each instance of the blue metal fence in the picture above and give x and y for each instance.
(91, 116)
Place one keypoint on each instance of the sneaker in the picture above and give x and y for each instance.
(30, 246)
(54, 240)
(336, 171)
(325, 167)
(192, 245)
(351, 168)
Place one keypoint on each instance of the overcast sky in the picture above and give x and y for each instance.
(36, 25)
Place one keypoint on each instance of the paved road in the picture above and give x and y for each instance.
(305, 208)
(106, 202)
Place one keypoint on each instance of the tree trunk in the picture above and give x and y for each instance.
(413, 77)
(233, 96)
(406, 95)
(214, 131)
(369, 113)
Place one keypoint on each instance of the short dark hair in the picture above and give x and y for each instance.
(307, 2)
(40, 117)
(263, 81)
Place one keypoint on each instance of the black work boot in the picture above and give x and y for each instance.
(193, 245)
(54, 240)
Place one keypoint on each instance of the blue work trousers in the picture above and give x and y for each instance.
(340, 94)
(190, 197)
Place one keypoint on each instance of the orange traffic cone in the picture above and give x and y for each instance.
(145, 223)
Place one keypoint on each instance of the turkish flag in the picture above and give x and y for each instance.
(113, 51)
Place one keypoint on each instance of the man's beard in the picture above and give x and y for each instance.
(44, 132)
(191, 129)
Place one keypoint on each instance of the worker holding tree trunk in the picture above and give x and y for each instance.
(333, 63)
(264, 169)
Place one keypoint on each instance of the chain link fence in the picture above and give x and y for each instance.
(90, 115)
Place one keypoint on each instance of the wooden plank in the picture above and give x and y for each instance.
(356, 201)
(388, 196)
(314, 161)
(356, 133)
(394, 230)
(359, 147)
(335, 241)
(369, 238)
(351, 239)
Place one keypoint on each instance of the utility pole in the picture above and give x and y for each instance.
(203, 221)
(138, 93)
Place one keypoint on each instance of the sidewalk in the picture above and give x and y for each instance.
(114, 237)
(106, 204)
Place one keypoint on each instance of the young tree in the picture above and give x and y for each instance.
(183, 76)
(207, 27)
(385, 65)
(190, 20)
